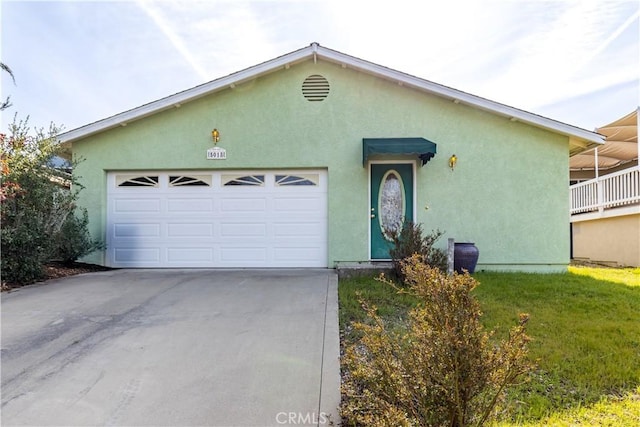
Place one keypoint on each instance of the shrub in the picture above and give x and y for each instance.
(410, 241)
(23, 252)
(73, 241)
(36, 202)
(443, 369)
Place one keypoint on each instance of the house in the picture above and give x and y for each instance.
(605, 197)
(311, 159)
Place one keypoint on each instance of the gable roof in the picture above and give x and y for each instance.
(580, 139)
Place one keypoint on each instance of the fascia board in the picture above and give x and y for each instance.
(461, 97)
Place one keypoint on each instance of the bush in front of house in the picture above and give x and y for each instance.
(73, 241)
(23, 251)
(443, 369)
(410, 241)
(37, 209)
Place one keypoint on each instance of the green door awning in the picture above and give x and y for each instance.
(420, 147)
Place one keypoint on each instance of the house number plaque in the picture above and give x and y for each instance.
(216, 153)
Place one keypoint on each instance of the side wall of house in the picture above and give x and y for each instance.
(508, 192)
(613, 239)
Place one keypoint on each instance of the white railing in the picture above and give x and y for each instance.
(608, 191)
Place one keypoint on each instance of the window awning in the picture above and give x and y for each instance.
(423, 148)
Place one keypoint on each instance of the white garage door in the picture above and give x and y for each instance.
(217, 219)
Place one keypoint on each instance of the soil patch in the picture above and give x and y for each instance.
(57, 270)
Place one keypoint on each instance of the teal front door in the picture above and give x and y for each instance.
(391, 204)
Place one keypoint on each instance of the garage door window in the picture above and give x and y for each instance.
(249, 180)
(137, 181)
(191, 181)
(283, 180)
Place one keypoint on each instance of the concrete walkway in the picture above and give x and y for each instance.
(173, 348)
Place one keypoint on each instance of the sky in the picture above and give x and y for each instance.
(76, 62)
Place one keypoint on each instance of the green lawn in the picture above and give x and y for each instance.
(585, 327)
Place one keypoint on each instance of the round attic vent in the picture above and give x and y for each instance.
(315, 88)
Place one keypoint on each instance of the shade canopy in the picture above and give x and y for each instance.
(420, 147)
(620, 147)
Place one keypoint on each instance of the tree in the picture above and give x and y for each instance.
(6, 104)
(36, 203)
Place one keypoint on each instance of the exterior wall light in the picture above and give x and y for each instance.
(452, 161)
(215, 135)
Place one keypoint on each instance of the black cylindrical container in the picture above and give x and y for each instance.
(465, 256)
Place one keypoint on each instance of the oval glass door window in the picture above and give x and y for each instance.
(391, 207)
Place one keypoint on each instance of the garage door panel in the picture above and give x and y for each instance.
(243, 206)
(243, 230)
(124, 230)
(292, 204)
(190, 206)
(137, 255)
(137, 205)
(259, 225)
(296, 229)
(296, 254)
(243, 254)
(192, 230)
(189, 255)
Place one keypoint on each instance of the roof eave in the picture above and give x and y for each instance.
(591, 139)
(176, 100)
(583, 138)
(577, 145)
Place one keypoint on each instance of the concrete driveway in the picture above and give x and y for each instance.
(173, 348)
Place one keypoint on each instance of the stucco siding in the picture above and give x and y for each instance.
(503, 194)
(614, 239)
(508, 193)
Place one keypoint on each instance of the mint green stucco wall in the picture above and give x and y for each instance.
(508, 193)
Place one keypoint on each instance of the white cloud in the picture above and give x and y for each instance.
(166, 29)
(214, 38)
(101, 58)
(558, 57)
